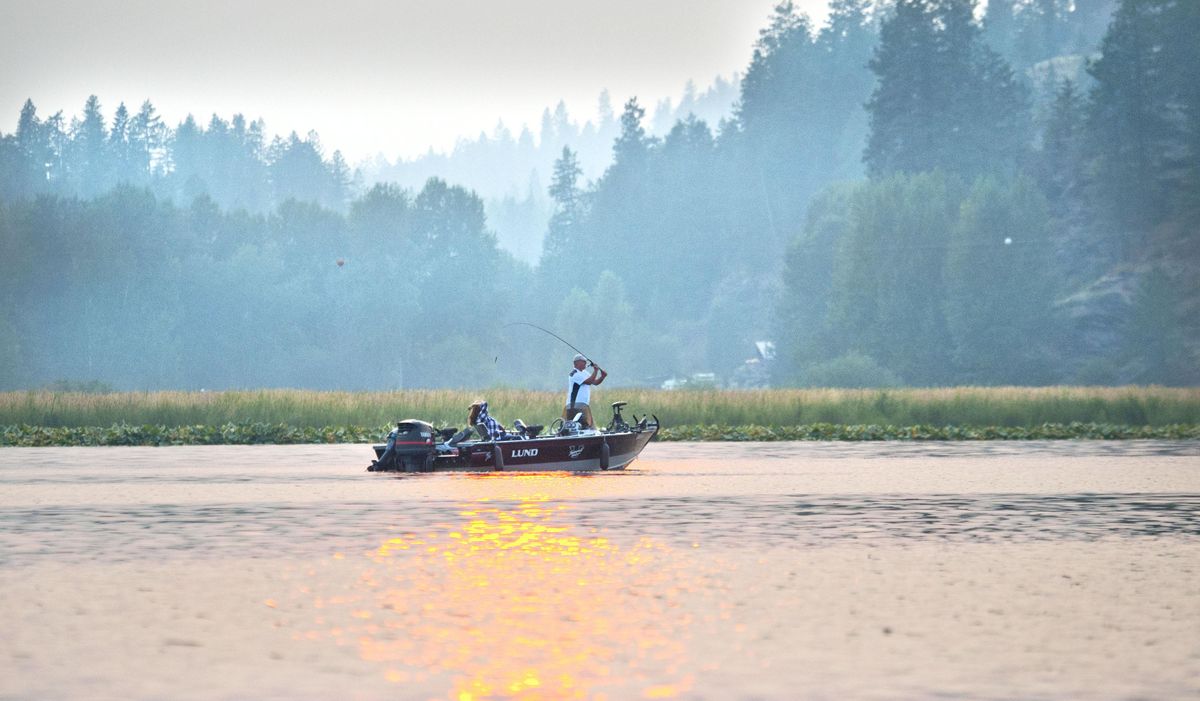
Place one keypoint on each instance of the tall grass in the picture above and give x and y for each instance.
(959, 406)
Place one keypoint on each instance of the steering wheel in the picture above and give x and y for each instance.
(556, 426)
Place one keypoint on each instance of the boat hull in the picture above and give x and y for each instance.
(583, 452)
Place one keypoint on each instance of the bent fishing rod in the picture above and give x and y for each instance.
(539, 328)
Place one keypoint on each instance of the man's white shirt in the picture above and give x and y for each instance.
(578, 377)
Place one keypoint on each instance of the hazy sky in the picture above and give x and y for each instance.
(392, 77)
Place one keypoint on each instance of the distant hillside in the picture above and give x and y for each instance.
(511, 172)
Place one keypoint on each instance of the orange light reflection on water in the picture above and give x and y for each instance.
(514, 600)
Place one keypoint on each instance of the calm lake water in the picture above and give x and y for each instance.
(706, 571)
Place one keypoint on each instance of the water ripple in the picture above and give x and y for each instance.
(131, 532)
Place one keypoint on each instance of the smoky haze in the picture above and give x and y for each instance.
(372, 77)
(924, 192)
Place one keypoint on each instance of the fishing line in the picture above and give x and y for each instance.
(539, 328)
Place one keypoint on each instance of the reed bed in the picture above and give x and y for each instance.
(282, 434)
(1005, 407)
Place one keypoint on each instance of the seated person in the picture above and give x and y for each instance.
(486, 425)
(479, 419)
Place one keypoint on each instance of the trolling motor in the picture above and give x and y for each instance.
(617, 425)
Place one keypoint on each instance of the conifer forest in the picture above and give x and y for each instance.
(910, 193)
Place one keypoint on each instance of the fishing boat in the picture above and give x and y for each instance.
(566, 446)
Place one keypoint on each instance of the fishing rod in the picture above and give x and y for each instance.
(539, 328)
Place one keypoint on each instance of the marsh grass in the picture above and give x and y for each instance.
(282, 434)
(958, 406)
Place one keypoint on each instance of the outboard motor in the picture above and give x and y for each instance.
(414, 450)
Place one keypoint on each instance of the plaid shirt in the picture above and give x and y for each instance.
(494, 429)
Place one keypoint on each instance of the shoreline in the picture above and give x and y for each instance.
(944, 406)
(258, 433)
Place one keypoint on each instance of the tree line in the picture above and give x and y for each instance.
(228, 161)
(907, 194)
(510, 172)
(233, 161)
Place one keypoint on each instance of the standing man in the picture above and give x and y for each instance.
(579, 390)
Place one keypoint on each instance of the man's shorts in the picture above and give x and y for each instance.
(580, 408)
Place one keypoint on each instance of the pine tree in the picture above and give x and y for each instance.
(563, 229)
(246, 171)
(1060, 167)
(686, 206)
(1060, 171)
(799, 120)
(546, 135)
(1181, 47)
(88, 163)
(780, 108)
(604, 108)
(34, 159)
(58, 143)
(186, 149)
(632, 144)
(147, 140)
(563, 128)
(1144, 112)
(564, 187)
(944, 100)
(846, 43)
(299, 172)
(340, 180)
(119, 147)
(905, 109)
